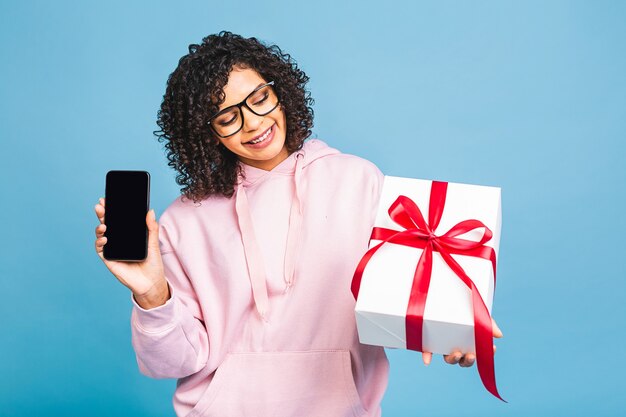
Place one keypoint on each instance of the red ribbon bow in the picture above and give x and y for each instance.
(419, 234)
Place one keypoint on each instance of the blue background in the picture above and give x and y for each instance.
(529, 96)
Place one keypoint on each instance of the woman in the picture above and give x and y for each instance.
(245, 293)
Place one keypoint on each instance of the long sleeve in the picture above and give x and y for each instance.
(377, 188)
(170, 341)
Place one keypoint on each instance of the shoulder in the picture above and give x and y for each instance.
(182, 216)
(342, 163)
(333, 165)
(182, 207)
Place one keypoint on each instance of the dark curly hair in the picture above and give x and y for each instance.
(195, 91)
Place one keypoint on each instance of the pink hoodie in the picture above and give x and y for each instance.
(261, 319)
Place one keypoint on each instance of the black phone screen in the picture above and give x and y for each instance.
(127, 200)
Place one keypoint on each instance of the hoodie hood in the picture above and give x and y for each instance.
(293, 165)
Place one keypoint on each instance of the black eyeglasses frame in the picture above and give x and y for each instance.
(239, 106)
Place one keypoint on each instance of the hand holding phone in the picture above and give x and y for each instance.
(144, 277)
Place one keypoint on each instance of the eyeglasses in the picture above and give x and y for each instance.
(261, 101)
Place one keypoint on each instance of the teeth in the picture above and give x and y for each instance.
(262, 138)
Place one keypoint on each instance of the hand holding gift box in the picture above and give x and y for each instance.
(464, 360)
(427, 281)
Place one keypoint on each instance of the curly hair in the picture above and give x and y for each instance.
(195, 91)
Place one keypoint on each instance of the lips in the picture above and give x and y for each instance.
(258, 136)
(267, 140)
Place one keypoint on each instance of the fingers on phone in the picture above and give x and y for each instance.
(99, 208)
(100, 242)
(100, 229)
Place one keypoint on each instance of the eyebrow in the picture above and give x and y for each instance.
(258, 85)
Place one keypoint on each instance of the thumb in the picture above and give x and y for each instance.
(153, 230)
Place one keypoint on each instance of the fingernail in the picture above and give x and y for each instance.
(457, 358)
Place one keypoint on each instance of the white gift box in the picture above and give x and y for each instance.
(388, 277)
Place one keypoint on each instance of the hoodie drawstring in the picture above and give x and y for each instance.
(295, 226)
(254, 259)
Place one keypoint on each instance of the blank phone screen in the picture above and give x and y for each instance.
(127, 199)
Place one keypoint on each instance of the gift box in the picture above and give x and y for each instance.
(428, 279)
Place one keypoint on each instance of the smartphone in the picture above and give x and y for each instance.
(127, 201)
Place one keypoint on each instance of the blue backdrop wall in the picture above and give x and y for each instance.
(529, 96)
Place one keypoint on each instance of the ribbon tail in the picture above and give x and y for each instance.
(483, 336)
(483, 330)
(414, 320)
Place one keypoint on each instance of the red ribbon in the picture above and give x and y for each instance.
(419, 234)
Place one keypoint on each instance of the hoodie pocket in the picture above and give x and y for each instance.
(282, 384)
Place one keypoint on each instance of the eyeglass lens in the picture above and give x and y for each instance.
(261, 102)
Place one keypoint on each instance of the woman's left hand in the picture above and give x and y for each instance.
(466, 360)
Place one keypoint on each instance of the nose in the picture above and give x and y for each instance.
(251, 121)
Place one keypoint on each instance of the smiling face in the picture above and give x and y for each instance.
(271, 128)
